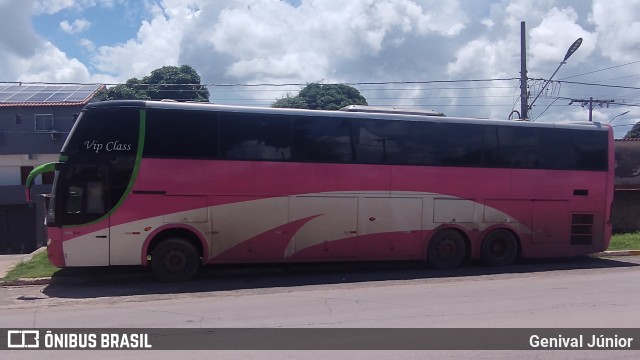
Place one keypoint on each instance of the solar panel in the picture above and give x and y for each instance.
(20, 96)
(92, 87)
(39, 94)
(8, 92)
(46, 93)
(78, 95)
(60, 96)
(4, 95)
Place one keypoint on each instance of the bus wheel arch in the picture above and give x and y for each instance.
(500, 247)
(176, 254)
(447, 248)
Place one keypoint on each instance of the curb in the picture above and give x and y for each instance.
(84, 279)
(618, 253)
(26, 282)
(72, 279)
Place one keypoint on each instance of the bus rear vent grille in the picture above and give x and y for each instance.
(582, 229)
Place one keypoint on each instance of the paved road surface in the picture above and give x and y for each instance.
(590, 293)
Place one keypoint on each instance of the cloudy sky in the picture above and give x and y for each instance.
(461, 57)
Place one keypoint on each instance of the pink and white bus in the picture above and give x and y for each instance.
(177, 185)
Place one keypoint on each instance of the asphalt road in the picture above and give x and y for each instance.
(577, 293)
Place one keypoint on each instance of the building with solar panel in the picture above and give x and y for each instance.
(34, 123)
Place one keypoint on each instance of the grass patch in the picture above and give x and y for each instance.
(629, 241)
(39, 266)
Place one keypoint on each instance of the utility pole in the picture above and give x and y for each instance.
(524, 106)
(590, 103)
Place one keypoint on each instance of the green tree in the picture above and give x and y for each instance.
(291, 102)
(317, 96)
(131, 90)
(634, 133)
(168, 82)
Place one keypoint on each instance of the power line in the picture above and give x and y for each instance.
(547, 108)
(601, 85)
(595, 71)
(386, 86)
(266, 84)
(344, 83)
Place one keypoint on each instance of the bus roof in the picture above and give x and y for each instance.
(390, 110)
(391, 114)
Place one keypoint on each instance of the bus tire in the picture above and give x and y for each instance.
(447, 249)
(499, 248)
(175, 260)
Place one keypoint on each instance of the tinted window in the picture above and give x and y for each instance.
(83, 193)
(519, 147)
(176, 133)
(255, 136)
(389, 142)
(555, 149)
(105, 131)
(590, 149)
(324, 139)
(454, 144)
(548, 148)
(250, 136)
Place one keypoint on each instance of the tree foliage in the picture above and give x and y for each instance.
(317, 96)
(634, 133)
(168, 82)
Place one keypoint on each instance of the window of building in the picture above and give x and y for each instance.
(44, 122)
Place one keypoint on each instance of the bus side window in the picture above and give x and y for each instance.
(324, 139)
(255, 137)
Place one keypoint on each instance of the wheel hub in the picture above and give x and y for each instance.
(447, 248)
(175, 260)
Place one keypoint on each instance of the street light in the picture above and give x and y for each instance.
(576, 44)
(624, 113)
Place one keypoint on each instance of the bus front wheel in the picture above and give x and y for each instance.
(175, 260)
(446, 249)
(500, 248)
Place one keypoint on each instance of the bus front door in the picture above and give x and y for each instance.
(83, 196)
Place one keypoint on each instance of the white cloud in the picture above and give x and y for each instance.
(551, 39)
(157, 43)
(88, 45)
(77, 26)
(55, 6)
(51, 65)
(272, 41)
(310, 40)
(16, 34)
(28, 57)
(618, 22)
(52, 6)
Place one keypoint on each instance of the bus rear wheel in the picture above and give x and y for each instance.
(447, 249)
(500, 248)
(175, 260)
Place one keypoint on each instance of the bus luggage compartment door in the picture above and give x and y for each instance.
(550, 221)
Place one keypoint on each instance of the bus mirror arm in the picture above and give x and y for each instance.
(44, 168)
